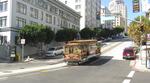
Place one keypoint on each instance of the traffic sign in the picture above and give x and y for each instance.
(22, 41)
(136, 6)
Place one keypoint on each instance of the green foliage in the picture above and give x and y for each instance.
(87, 33)
(66, 34)
(35, 34)
(118, 30)
(105, 33)
(134, 30)
(49, 35)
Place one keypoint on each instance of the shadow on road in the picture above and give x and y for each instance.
(119, 40)
(97, 62)
(43, 57)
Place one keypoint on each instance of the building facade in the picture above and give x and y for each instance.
(107, 19)
(14, 14)
(89, 11)
(119, 10)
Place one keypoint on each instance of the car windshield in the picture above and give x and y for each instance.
(129, 51)
(51, 49)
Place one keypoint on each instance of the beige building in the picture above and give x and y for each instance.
(119, 10)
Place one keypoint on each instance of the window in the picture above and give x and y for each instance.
(53, 9)
(34, 13)
(77, 6)
(20, 22)
(33, 23)
(78, 1)
(29, 1)
(42, 15)
(3, 6)
(3, 21)
(54, 20)
(48, 18)
(65, 2)
(61, 12)
(21, 8)
(3, 40)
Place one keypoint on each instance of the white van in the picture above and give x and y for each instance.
(54, 51)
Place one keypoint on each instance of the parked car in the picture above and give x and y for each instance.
(129, 53)
(55, 51)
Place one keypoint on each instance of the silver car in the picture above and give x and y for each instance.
(55, 51)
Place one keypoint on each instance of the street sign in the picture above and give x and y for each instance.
(136, 6)
(22, 41)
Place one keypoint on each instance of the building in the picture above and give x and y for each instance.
(119, 10)
(147, 11)
(14, 14)
(107, 19)
(89, 11)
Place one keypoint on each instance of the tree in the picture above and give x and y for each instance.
(87, 33)
(49, 36)
(104, 33)
(137, 29)
(35, 34)
(66, 34)
(118, 30)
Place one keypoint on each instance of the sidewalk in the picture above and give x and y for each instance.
(38, 64)
(140, 63)
(30, 66)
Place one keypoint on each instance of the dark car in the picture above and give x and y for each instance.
(129, 53)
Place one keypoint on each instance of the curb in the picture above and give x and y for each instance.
(137, 67)
(34, 69)
(51, 65)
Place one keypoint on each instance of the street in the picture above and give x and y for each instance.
(74, 41)
(141, 77)
(109, 68)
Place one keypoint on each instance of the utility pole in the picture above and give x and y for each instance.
(22, 43)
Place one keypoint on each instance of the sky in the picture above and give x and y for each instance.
(130, 13)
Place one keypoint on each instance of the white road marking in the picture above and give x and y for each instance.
(130, 75)
(127, 81)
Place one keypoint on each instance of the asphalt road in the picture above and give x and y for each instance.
(110, 68)
(141, 77)
(104, 70)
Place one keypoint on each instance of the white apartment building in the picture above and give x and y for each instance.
(89, 11)
(14, 14)
(118, 9)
